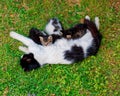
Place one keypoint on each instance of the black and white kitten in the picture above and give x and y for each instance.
(63, 51)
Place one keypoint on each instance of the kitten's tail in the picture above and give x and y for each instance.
(97, 23)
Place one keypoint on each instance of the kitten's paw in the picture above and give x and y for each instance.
(87, 17)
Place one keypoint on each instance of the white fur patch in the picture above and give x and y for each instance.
(50, 28)
(97, 23)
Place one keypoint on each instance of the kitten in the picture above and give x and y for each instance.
(75, 32)
(34, 34)
(63, 51)
(41, 38)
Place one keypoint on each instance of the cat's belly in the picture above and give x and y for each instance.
(55, 55)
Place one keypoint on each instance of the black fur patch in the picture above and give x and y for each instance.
(28, 62)
(56, 23)
(92, 50)
(75, 54)
(55, 37)
(75, 32)
(34, 34)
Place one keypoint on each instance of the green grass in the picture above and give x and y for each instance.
(95, 76)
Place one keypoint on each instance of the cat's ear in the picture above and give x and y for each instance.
(41, 38)
(50, 38)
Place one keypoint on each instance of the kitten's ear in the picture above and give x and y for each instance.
(41, 38)
(50, 38)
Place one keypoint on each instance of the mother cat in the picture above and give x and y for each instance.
(63, 51)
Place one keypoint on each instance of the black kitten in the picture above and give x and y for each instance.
(28, 62)
(75, 32)
(39, 37)
(34, 34)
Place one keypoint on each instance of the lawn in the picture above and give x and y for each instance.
(95, 76)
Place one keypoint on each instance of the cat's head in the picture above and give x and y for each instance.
(28, 62)
(54, 26)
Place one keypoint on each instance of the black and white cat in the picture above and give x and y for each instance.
(63, 51)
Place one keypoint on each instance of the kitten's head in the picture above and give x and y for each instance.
(45, 40)
(28, 62)
(54, 26)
